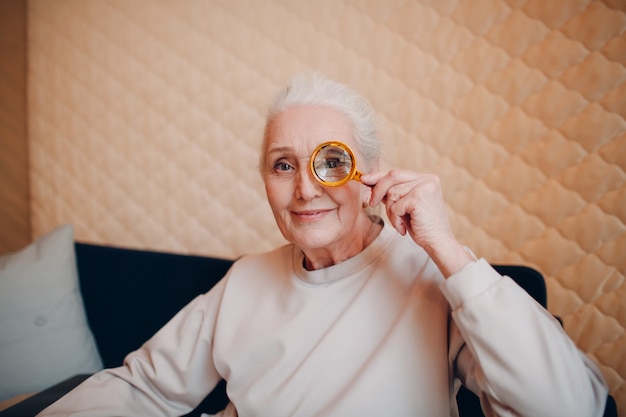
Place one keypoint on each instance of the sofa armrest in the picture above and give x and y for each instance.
(33, 405)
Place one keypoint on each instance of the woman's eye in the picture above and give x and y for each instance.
(282, 167)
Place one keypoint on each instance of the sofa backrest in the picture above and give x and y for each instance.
(129, 294)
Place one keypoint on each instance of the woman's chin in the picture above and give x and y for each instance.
(312, 239)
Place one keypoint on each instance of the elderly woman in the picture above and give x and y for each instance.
(356, 316)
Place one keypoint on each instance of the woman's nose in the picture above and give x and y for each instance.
(307, 187)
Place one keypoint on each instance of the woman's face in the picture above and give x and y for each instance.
(310, 215)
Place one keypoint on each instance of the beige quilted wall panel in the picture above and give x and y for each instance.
(145, 118)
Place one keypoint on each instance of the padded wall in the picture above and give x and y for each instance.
(145, 119)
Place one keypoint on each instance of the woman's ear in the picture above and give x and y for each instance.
(366, 195)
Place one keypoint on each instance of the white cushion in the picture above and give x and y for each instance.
(44, 335)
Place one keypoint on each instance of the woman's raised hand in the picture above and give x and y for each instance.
(414, 205)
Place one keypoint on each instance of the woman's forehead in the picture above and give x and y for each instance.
(308, 126)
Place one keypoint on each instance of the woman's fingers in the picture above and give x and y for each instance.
(413, 203)
(397, 215)
(394, 185)
(389, 186)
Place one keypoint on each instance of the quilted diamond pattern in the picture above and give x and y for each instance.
(145, 118)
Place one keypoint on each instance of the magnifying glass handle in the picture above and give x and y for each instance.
(357, 177)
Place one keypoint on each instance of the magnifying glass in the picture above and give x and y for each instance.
(333, 164)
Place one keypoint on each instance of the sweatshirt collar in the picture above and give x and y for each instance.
(348, 267)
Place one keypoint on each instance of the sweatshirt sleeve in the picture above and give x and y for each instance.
(516, 355)
(169, 375)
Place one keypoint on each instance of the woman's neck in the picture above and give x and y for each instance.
(325, 257)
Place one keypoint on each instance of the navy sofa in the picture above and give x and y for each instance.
(129, 294)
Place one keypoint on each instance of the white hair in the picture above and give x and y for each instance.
(317, 90)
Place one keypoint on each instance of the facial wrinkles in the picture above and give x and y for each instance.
(314, 217)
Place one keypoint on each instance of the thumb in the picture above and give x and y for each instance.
(372, 178)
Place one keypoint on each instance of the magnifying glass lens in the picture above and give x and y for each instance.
(332, 164)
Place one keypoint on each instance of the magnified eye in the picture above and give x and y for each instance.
(333, 167)
(332, 163)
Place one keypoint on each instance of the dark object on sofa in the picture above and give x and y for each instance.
(129, 294)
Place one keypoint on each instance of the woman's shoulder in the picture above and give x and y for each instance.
(274, 262)
(255, 274)
(273, 255)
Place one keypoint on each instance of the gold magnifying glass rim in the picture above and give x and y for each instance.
(353, 174)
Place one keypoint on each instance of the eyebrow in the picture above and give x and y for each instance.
(290, 151)
(279, 149)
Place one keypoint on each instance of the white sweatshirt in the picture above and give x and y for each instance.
(380, 334)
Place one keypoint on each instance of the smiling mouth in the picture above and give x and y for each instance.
(309, 215)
